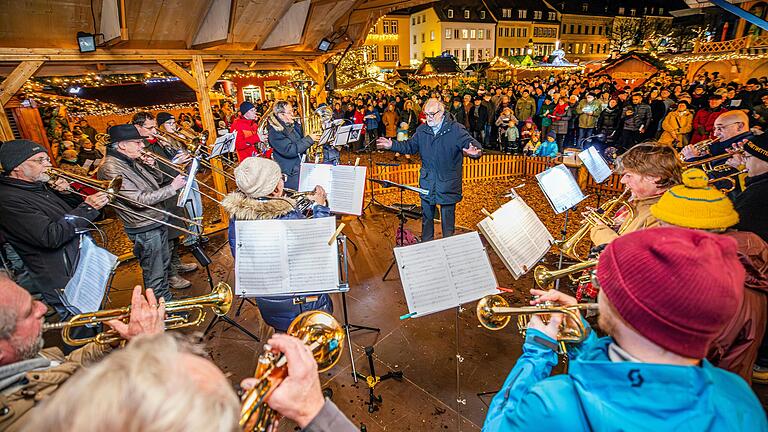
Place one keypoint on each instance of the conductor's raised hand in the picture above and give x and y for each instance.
(147, 316)
(472, 151)
(384, 143)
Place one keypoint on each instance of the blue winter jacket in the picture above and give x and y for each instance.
(548, 149)
(601, 395)
(442, 159)
(277, 312)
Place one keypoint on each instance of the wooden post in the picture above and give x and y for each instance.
(13, 83)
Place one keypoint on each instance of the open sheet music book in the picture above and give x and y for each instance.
(560, 188)
(184, 195)
(595, 164)
(517, 235)
(224, 144)
(344, 184)
(85, 291)
(443, 274)
(286, 257)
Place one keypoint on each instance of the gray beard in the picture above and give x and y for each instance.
(31, 350)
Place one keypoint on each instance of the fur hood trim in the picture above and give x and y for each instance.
(242, 207)
(275, 122)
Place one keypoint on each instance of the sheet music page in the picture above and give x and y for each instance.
(311, 175)
(224, 144)
(342, 135)
(86, 289)
(87, 163)
(426, 279)
(327, 135)
(560, 187)
(313, 264)
(184, 195)
(348, 186)
(261, 264)
(595, 164)
(469, 266)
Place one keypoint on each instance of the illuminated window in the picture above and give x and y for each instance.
(450, 13)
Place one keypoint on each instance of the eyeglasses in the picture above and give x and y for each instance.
(284, 177)
(41, 160)
(432, 114)
(722, 127)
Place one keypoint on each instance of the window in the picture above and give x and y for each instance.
(645, 10)
(578, 29)
(414, 39)
(413, 21)
(519, 32)
(633, 12)
(391, 53)
(591, 48)
(456, 53)
(432, 35)
(584, 7)
(506, 51)
(551, 16)
(480, 34)
(599, 30)
(537, 15)
(479, 55)
(385, 27)
(472, 55)
(465, 34)
(375, 53)
(393, 27)
(423, 38)
(661, 11)
(448, 33)
(456, 33)
(501, 31)
(506, 13)
(499, 54)
(418, 20)
(472, 34)
(488, 34)
(571, 28)
(621, 11)
(464, 55)
(593, 29)
(466, 14)
(450, 13)
(522, 13)
(415, 56)
(525, 32)
(482, 14)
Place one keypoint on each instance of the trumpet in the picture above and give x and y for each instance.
(112, 189)
(494, 313)
(732, 179)
(545, 277)
(703, 147)
(569, 247)
(219, 300)
(706, 164)
(325, 337)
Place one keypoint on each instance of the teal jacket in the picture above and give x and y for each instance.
(548, 149)
(601, 395)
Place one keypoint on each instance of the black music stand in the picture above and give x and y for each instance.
(369, 148)
(373, 380)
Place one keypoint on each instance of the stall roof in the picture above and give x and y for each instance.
(439, 65)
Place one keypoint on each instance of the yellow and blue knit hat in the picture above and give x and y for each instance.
(695, 204)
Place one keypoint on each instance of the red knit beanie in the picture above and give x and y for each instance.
(675, 286)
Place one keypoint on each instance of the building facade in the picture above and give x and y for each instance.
(389, 40)
(524, 27)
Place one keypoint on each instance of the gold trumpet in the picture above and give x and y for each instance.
(545, 277)
(732, 179)
(569, 247)
(325, 337)
(219, 300)
(494, 313)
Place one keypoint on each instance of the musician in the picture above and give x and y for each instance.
(704, 119)
(260, 197)
(192, 394)
(730, 127)
(141, 180)
(442, 144)
(42, 222)
(666, 293)
(751, 203)
(647, 170)
(30, 374)
(247, 129)
(288, 142)
(696, 205)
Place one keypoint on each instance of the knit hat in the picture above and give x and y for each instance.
(757, 146)
(163, 117)
(245, 107)
(15, 152)
(69, 156)
(676, 287)
(257, 177)
(552, 134)
(695, 204)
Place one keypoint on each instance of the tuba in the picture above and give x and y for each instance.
(219, 300)
(325, 338)
(310, 121)
(569, 247)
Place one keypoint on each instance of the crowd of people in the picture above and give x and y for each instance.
(680, 280)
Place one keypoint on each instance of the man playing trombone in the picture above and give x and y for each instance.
(42, 222)
(145, 225)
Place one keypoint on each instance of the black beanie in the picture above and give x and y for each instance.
(14, 153)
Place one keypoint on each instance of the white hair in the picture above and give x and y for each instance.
(143, 387)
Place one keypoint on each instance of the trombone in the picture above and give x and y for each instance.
(545, 277)
(325, 338)
(112, 189)
(194, 144)
(219, 300)
(161, 160)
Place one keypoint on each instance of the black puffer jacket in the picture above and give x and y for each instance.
(609, 123)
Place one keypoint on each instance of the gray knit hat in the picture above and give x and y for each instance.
(15, 152)
(257, 177)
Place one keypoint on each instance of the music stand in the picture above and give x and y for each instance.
(369, 148)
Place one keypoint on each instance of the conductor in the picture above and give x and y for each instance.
(442, 144)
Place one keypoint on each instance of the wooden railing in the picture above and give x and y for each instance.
(489, 167)
(731, 45)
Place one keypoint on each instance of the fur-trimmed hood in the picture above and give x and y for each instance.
(242, 207)
(275, 122)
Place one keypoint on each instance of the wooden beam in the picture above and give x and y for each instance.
(6, 133)
(197, 23)
(206, 115)
(309, 70)
(16, 79)
(174, 68)
(216, 72)
(267, 30)
(122, 55)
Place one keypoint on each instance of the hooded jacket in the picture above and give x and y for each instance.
(277, 312)
(288, 144)
(598, 394)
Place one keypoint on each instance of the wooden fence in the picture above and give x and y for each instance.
(490, 167)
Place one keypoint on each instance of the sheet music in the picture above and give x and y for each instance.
(184, 195)
(224, 144)
(442, 274)
(344, 184)
(285, 257)
(87, 163)
(517, 235)
(85, 291)
(595, 164)
(312, 174)
(560, 188)
(327, 135)
(347, 133)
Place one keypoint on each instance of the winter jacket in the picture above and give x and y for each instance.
(525, 108)
(277, 312)
(330, 419)
(640, 117)
(32, 220)
(609, 124)
(588, 113)
(390, 120)
(478, 118)
(598, 394)
(288, 145)
(544, 112)
(750, 204)
(140, 183)
(246, 138)
(169, 204)
(547, 149)
(372, 120)
(442, 159)
(85, 155)
(603, 234)
(560, 118)
(676, 128)
(704, 123)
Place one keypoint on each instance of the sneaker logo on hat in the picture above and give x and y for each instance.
(635, 378)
